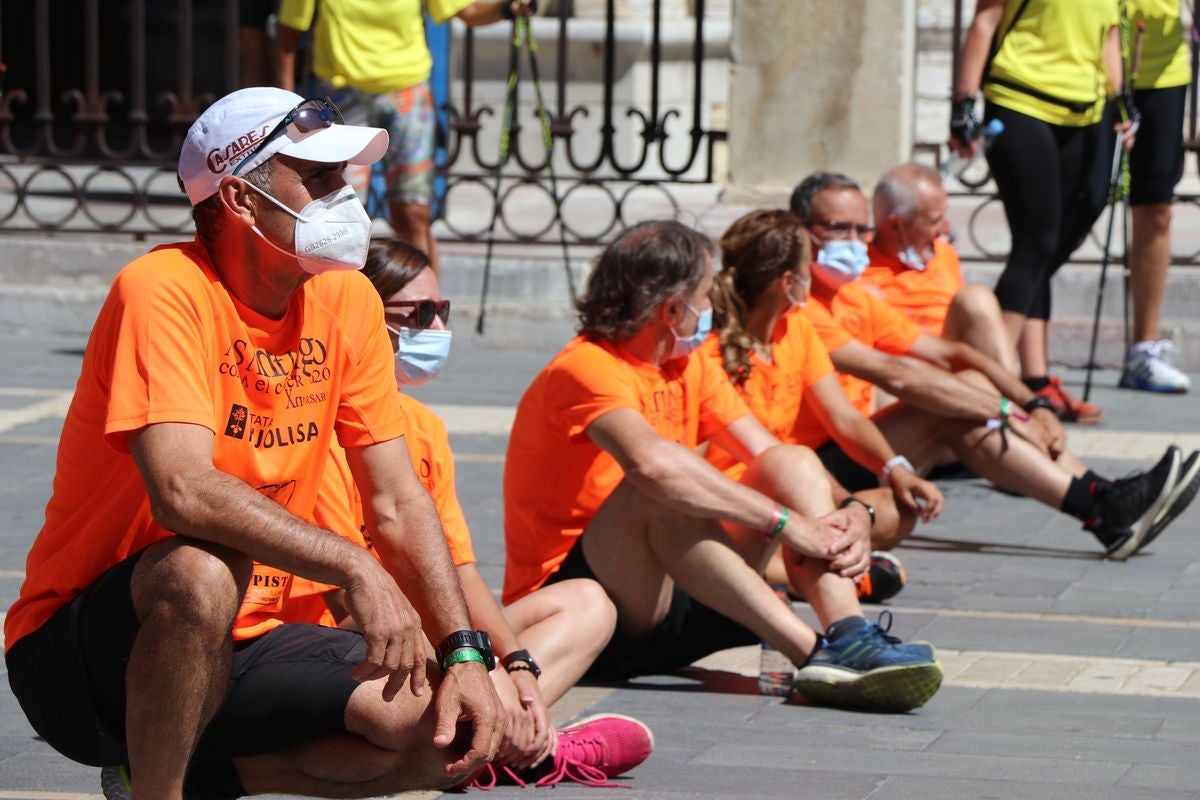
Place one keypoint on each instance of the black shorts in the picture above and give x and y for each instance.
(1156, 162)
(289, 685)
(689, 632)
(848, 472)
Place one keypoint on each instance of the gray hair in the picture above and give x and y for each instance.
(803, 194)
(895, 194)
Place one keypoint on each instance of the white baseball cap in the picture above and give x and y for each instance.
(235, 125)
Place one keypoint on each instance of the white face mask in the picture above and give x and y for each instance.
(421, 354)
(332, 232)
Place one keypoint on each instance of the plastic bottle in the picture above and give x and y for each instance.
(775, 670)
(956, 165)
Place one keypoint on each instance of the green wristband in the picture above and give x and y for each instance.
(1004, 411)
(781, 520)
(460, 655)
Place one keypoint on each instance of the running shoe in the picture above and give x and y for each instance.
(1180, 497)
(1125, 510)
(1068, 407)
(870, 670)
(883, 579)
(590, 752)
(1148, 368)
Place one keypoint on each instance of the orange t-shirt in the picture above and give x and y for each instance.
(556, 477)
(339, 507)
(855, 313)
(773, 391)
(172, 345)
(923, 295)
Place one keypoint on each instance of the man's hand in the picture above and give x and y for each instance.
(1053, 435)
(916, 494)
(533, 709)
(466, 694)
(391, 629)
(841, 537)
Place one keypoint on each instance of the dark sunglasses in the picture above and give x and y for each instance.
(309, 116)
(424, 311)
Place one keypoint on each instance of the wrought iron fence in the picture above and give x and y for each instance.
(95, 99)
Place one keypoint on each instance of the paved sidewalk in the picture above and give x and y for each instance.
(1067, 676)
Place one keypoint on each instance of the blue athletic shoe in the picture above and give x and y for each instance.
(869, 670)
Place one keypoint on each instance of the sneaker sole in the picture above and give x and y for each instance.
(890, 689)
(595, 717)
(1180, 498)
(1147, 387)
(1140, 529)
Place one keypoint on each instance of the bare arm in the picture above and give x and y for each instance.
(977, 46)
(486, 12)
(854, 433)
(1114, 62)
(287, 42)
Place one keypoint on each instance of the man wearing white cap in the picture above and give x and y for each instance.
(215, 378)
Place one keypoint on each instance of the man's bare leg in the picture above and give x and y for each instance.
(975, 318)
(411, 223)
(565, 625)
(185, 593)
(1149, 259)
(638, 549)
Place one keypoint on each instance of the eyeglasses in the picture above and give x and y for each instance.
(840, 229)
(423, 312)
(309, 116)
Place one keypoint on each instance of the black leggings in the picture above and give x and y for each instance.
(1053, 181)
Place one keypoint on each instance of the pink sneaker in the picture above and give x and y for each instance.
(589, 752)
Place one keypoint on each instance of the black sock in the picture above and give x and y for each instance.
(1099, 480)
(845, 627)
(1036, 384)
(1080, 497)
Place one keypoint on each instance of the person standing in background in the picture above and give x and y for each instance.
(1161, 74)
(370, 58)
(1046, 68)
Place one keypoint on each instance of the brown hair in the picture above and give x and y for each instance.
(392, 264)
(756, 250)
(640, 269)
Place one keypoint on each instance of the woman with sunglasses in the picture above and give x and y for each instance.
(563, 627)
(776, 360)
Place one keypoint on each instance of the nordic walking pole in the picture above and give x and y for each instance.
(1114, 201)
(506, 125)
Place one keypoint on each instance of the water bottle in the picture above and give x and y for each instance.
(775, 670)
(956, 165)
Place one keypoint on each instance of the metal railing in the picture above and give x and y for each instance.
(94, 105)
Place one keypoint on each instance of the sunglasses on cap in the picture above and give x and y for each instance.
(422, 312)
(311, 115)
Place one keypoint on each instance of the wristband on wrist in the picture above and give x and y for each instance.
(870, 508)
(1040, 402)
(781, 519)
(461, 655)
(521, 660)
(896, 461)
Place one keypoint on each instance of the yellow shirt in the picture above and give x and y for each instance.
(1164, 60)
(377, 46)
(1057, 48)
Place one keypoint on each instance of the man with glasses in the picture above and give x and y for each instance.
(602, 481)
(955, 402)
(218, 373)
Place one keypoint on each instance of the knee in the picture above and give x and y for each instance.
(199, 584)
(893, 525)
(594, 610)
(976, 379)
(1157, 215)
(786, 466)
(976, 302)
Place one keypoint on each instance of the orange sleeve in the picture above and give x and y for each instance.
(816, 361)
(720, 403)
(831, 332)
(587, 384)
(369, 410)
(156, 372)
(893, 332)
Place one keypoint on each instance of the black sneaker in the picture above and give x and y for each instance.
(1125, 510)
(1181, 496)
(883, 579)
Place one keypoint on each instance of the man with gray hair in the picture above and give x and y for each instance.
(917, 270)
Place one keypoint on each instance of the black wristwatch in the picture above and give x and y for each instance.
(1040, 402)
(521, 660)
(476, 640)
(870, 508)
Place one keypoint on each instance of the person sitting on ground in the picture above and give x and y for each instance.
(546, 640)
(602, 480)
(774, 357)
(917, 270)
(955, 401)
(217, 375)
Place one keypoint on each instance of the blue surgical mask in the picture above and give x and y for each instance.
(684, 345)
(421, 354)
(911, 258)
(840, 261)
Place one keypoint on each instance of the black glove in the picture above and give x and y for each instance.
(506, 7)
(964, 125)
(1126, 107)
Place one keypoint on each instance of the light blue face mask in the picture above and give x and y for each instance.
(910, 258)
(421, 354)
(684, 345)
(840, 261)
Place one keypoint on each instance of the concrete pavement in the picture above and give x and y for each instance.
(1067, 676)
